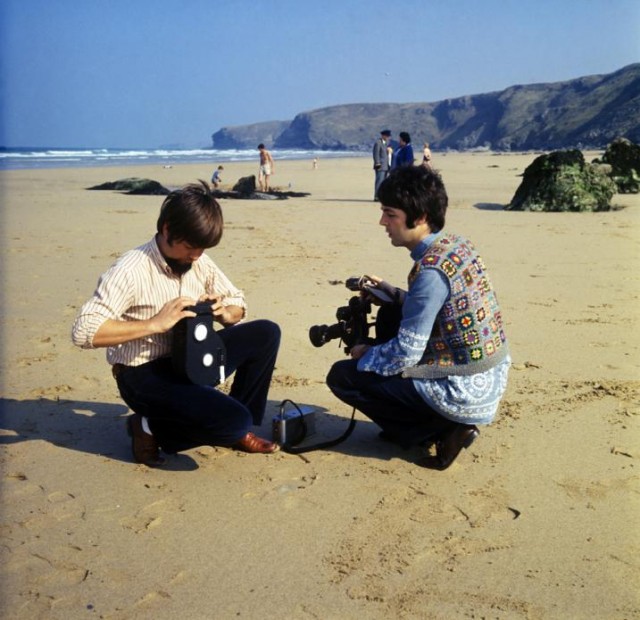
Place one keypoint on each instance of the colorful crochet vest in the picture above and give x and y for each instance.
(467, 336)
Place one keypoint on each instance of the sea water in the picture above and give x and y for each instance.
(21, 158)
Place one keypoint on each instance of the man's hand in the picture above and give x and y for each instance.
(114, 332)
(225, 315)
(358, 350)
(172, 312)
(392, 292)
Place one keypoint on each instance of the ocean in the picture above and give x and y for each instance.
(25, 158)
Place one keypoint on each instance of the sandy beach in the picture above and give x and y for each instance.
(537, 520)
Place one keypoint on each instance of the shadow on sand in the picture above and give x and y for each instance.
(489, 206)
(99, 428)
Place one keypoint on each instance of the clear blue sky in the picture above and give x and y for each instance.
(145, 73)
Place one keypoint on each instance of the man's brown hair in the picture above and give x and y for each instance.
(192, 215)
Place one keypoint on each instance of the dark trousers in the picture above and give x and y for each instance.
(381, 175)
(183, 415)
(393, 403)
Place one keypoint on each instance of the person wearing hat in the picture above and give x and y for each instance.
(380, 160)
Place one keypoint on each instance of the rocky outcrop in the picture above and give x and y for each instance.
(587, 112)
(563, 181)
(135, 185)
(248, 136)
(245, 185)
(623, 157)
(245, 188)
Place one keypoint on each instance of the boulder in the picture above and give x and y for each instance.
(245, 186)
(563, 181)
(623, 156)
(135, 185)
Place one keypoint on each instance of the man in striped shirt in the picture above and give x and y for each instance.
(136, 304)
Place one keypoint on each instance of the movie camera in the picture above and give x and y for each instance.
(353, 323)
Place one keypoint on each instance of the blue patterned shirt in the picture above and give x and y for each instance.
(471, 399)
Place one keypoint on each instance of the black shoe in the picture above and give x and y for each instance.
(449, 446)
(144, 446)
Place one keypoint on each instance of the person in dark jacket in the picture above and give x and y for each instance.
(404, 153)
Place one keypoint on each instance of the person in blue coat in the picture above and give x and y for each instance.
(404, 153)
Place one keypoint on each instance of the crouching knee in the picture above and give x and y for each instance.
(339, 375)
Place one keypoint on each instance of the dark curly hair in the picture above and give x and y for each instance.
(418, 192)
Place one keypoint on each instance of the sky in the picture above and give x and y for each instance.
(158, 73)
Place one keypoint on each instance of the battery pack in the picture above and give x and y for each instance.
(292, 427)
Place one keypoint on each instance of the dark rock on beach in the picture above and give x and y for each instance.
(273, 194)
(623, 157)
(245, 189)
(563, 181)
(245, 186)
(135, 185)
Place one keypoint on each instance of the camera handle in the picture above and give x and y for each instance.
(323, 444)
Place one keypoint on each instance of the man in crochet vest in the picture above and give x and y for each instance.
(445, 370)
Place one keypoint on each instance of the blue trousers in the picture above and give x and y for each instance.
(183, 415)
(392, 403)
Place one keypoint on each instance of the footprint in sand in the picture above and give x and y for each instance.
(53, 391)
(149, 517)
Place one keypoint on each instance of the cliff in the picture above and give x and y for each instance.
(585, 112)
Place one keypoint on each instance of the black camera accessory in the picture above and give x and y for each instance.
(199, 353)
(367, 284)
(378, 293)
(300, 429)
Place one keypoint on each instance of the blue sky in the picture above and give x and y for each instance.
(147, 73)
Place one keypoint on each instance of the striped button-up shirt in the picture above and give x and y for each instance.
(135, 288)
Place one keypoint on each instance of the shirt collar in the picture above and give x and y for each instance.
(424, 245)
(157, 257)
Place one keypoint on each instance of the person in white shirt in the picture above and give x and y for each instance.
(132, 312)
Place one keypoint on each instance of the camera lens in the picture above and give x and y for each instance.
(317, 335)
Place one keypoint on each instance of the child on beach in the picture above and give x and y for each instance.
(216, 179)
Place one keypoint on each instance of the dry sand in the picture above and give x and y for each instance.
(539, 519)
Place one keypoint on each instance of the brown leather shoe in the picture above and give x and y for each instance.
(144, 446)
(256, 445)
(449, 446)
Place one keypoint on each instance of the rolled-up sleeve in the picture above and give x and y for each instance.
(221, 285)
(112, 296)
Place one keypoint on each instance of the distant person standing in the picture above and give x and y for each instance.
(403, 156)
(380, 160)
(216, 179)
(266, 168)
(426, 156)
